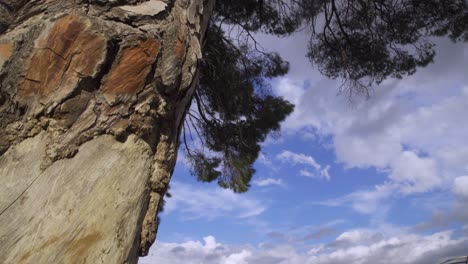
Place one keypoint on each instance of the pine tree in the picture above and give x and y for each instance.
(97, 96)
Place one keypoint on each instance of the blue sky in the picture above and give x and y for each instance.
(383, 180)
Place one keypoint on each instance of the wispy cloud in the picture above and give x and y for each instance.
(320, 233)
(319, 172)
(363, 201)
(299, 234)
(263, 159)
(298, 158)
(268, 182)
(210, 202)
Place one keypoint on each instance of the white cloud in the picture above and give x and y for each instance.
(298, 158)
(210, 243)
(237, 258)
(264, 159)
(355, 236)
(409, 174)
(307, 173)
(364, 201)
(413, 130)
(210, 202)
(369, 248)
(414, 174)
(325, 173)
(321, 174)
(366, 151)
(460, 187)
(290, 90)
(183, 160)
(360, 246)
(302, 159)
(208, 251)
(370, 202)
(267, 182)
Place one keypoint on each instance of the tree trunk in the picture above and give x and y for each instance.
(93, 95)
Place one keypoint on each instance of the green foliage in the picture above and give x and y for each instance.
(205, 168)
(365, 42)
(235, 110)
(361, 42)
(272, 17)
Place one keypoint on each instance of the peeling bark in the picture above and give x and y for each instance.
(93, 94)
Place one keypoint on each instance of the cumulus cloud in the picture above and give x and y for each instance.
(460, 187)
(413, 130)
(359, 246)
(290, 90)
(367, 248)
(237, 258)
(206, 251)
(210, 202)
(415, 174)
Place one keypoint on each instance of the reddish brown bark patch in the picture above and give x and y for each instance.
(179, 48)
(6, 49)
(62, 56)
(129, 75)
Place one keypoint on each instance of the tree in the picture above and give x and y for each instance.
(361, 42)
(96, 97)
(365, 42)
(92, 97)
(234, 110)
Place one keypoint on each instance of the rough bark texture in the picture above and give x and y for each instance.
(92, 98)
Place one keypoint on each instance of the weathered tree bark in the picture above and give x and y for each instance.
(93, 94)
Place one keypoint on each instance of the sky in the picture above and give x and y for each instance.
(383, 180)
